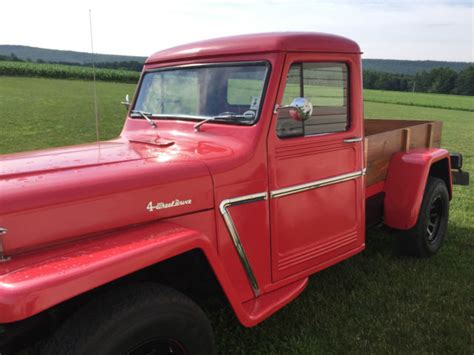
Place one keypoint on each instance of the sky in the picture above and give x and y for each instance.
(388, 29)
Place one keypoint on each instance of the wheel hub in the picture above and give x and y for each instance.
(434, 220)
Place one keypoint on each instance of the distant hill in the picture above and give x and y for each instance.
(52, 55)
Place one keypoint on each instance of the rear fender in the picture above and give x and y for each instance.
(405, 184)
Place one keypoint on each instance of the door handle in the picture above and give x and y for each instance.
(353, 140)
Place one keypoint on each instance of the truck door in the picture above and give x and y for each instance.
(316, 164)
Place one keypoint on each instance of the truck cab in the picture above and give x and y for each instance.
(251, 150)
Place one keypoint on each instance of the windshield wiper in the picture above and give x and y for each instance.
(229, 117)
(146, 116)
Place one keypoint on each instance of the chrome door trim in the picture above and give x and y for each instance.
(223, 208)
(353, 140)
(316, 184)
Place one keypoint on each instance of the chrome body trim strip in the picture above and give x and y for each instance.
(353, 140)
(316, 184)
(223, 208)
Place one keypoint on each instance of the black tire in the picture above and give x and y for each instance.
(426, 237)
(135, 319)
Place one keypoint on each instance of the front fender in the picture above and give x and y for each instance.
(405, 185)
(32, 283)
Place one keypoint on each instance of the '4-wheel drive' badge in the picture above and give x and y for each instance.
(162, 205)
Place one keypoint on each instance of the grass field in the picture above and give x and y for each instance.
(454, 102)
(375, 302)
(36, 112)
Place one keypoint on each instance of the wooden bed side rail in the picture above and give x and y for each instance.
(386, 137)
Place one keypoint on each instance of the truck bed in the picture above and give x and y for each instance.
(383, 138)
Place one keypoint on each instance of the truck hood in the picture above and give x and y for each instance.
(72, 157)
(53, 195)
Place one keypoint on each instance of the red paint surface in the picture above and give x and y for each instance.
(77, 216)
(75, 191)
(405, 185)
(374, 189)
(313, 227)
(258, 43)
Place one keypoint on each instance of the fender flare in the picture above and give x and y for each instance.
(34, 282)
(405, 185)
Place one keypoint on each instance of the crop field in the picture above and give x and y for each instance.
(60, 71)
(375, 302)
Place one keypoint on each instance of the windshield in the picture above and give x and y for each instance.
(231, 90)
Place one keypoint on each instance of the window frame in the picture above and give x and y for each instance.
(348, 98)
(268, 75)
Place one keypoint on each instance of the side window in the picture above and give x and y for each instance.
(325, 85)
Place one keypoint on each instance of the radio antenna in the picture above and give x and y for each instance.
(94, 79)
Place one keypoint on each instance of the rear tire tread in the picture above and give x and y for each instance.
(413, 241)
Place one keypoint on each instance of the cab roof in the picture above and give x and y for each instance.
(258, 43)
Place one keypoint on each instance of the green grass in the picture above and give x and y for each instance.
(455, 102)
(37, 113)
(375, 302)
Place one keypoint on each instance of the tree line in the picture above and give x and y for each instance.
(438, 80)
(441, 80)
(131, 65)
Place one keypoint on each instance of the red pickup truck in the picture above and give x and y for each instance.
(244, 160)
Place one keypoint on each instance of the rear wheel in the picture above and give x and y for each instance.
(135, 319)
(426, 237)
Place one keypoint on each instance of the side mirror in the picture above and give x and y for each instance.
(300, 109)
(126, 102)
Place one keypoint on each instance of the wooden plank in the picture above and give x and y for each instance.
(406, 139)
(386, 137)
(366, 145)
(380, 148)
(374, 126)
(430, 135)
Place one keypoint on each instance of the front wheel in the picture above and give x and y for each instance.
(135, 319)
(426, 237)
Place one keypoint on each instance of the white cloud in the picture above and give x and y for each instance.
(438, 30)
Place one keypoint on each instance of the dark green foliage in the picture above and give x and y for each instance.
(59, 71)
(438, 80)
(465, 81)
(11, 57)
(123, 65)
(387, 81)
(52, 56)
